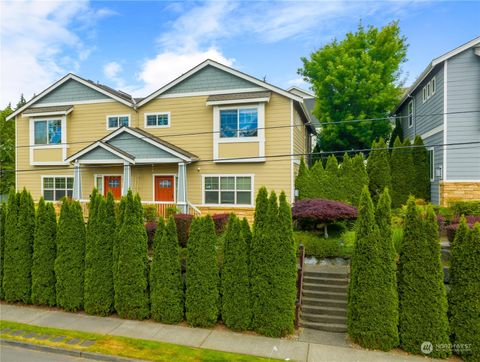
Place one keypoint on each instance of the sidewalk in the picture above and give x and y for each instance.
(221, 340)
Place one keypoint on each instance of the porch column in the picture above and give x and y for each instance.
(77, 181)
(126, 178)
(182, 188)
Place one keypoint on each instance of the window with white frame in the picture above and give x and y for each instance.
(47, 132)
(429, 89)
(228, 190)
(410, 113)
(157, 120)
(117, 121)
(431, 162)
(238, 122)
(56, 187)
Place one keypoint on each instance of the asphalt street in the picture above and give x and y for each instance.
(16, 354)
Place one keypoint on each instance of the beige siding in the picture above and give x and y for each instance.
(233, 150)
(48, 155)
(189, 118)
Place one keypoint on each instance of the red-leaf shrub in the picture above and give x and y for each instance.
(151, 228)
(220, 221)
(469, 218)
(441, 221)
(183, 222)
(320, 210)
(452, 228)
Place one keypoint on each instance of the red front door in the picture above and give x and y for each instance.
(113, 184)
(164, 188)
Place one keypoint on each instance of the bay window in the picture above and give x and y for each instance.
(228, 190)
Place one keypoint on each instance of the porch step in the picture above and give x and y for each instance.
(320, 294)
(328, 327)
(323, 318)
(323, 280)
(325, 287)
(322, 310)
(325, 302)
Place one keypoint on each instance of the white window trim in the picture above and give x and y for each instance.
(408, 113)
(219, 205)
(102, 175)
(431, 166)
(62, 145)
(117, 115)
(260, 138)
(50, 176)
(155, 114)
(174, 188)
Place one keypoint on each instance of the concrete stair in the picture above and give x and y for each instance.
(324, 300)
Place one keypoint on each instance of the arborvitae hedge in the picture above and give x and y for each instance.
(24, 247)
(330, 187)
(10, 248)
(247, 236)
(236, 302)
(422, 296)
(372, 299)
(3, 214)
(44, 253)
(403, 173)
(120, 219)
(464, 295)
(166, 285)
(70, 261)
(273, 298)
(131, 299)
(359, 178)
(91, 238)
(202, 280)
(378, 169)
(421, 165)
(99, 279)
(303, 181)
(396, 132)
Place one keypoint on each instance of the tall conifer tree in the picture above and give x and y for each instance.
(378, 169)
(421, 166)
(10, 248)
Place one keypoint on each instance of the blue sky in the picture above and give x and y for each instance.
(139, 46)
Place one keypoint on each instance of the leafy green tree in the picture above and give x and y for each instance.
(236, 302)
(396, 132)
(44, 253)
(358, 179)
(372, 308)
(70, 260)
(131, 299)
(422, 296)
(166, 283)
(3, 215)
(378, 169)
(202, 295)
(356, 78)
(464, 295)
(7, 151)
(99, 290)
(10, 248)
(421, 166)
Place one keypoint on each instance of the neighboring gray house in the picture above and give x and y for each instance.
(443, 106)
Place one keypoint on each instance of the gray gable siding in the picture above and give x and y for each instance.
(138, 147)
(427, 115)
(71, 91)
(99, 153)
(463, 87)
(210, 79)
(436, 139)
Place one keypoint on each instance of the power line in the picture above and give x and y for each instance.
(264, 128)
(84, 168)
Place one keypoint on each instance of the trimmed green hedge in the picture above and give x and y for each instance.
(44, 253)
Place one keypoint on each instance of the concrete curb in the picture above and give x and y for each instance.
(67, 352)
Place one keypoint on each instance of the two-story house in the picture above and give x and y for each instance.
(443, 106)
(205, 142)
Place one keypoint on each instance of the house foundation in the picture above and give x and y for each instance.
(459, 191)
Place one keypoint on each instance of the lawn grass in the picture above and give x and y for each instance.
(123, 346)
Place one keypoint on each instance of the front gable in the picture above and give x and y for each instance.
(138, 147)
(208, 79)
(71, 91)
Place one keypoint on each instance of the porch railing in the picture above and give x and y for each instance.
(298, 303)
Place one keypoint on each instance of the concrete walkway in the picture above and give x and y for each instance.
(310, 346)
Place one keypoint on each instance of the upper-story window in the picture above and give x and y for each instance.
(157, 120)
(429, 89)
(410, 113)
(117, 121)
(238, 122)
(48, 132)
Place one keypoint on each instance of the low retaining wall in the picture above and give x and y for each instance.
(459, 191)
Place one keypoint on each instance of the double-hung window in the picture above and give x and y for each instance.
(48, 132)
(117, 121)
(56, 187)
(238, 122)
(410, 113)
(157, 120)
(228, 190)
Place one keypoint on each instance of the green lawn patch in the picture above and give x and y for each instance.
(121, 346)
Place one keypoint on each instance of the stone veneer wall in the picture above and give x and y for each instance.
(459, 191)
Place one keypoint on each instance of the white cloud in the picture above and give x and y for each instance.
(34, 37)
(112, 69)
